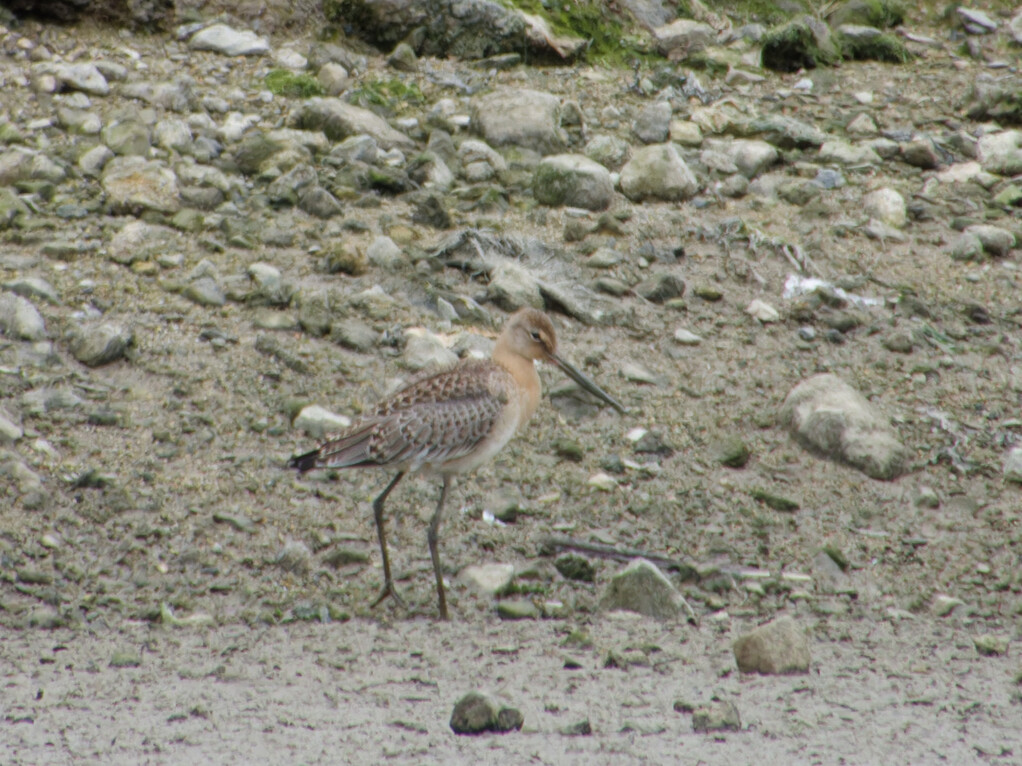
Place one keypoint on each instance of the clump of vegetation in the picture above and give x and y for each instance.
(763, 11)
(804, 43)
(870, 13)
(291, 85)
(388, 94)
(887, 48)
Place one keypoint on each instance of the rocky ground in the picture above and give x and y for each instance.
(197, 257)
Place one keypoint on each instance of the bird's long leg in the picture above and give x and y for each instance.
(432, 535)
(388, 582)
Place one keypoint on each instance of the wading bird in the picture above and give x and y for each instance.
(450, 422)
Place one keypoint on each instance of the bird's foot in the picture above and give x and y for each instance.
(391, 592)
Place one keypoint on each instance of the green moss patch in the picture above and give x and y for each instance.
(284, 83)
(388, 94)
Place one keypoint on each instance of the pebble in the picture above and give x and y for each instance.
(602, 481)
(687, 337)
(205, 292)
(20, 319)
(10, 431)
(944, 605)
(477, 713)
(990, 645)
(489, 579)
(718, 715)
(96, 345)
(762, 311)
(1013, 465)
(317, 422)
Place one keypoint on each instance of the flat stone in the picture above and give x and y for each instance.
(641, 587)
(133, 184)
(221, 38)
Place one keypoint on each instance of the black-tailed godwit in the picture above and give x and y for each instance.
(450, 422)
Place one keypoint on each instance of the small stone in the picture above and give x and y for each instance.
(10, 431)
(927, 497)
(944, 605)
(990, 645)
(661, 288)
(333, 77)
(657, 172)
(995, 240)
(652, 125)
(641, 587)
(572, 180)
(101, 344)
(424, 350)
(353, 333)
(476, 713)
(777, 648)
(716, 716)
(384, 253)
(489, 579)
(580, 729)
(318, 421)
(967, 247)
(762, 311)
(342, 257)
(733, 452)
(294, 557)
(575, 567)
(602, 481)
(1013, 465)
(517, 609)
(886, 206)
(205, 292)
(20, 319)
(33, 288)
(94, 160)
(687, 337)
(921, 153)
(403, 58)
(899, 341)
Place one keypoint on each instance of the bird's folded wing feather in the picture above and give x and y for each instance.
(428, 432)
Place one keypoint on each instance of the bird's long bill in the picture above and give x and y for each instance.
(576, 375)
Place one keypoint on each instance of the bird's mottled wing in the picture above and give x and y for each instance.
(466, 380)
(434, 432)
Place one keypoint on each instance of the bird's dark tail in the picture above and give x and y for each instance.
(305, 462)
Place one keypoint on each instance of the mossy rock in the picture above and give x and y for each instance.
(804, 43)
(996, 101)
(611, 42)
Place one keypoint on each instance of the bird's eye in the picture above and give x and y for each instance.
(535, 336)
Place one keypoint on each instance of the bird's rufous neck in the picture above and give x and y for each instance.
(524, 373)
